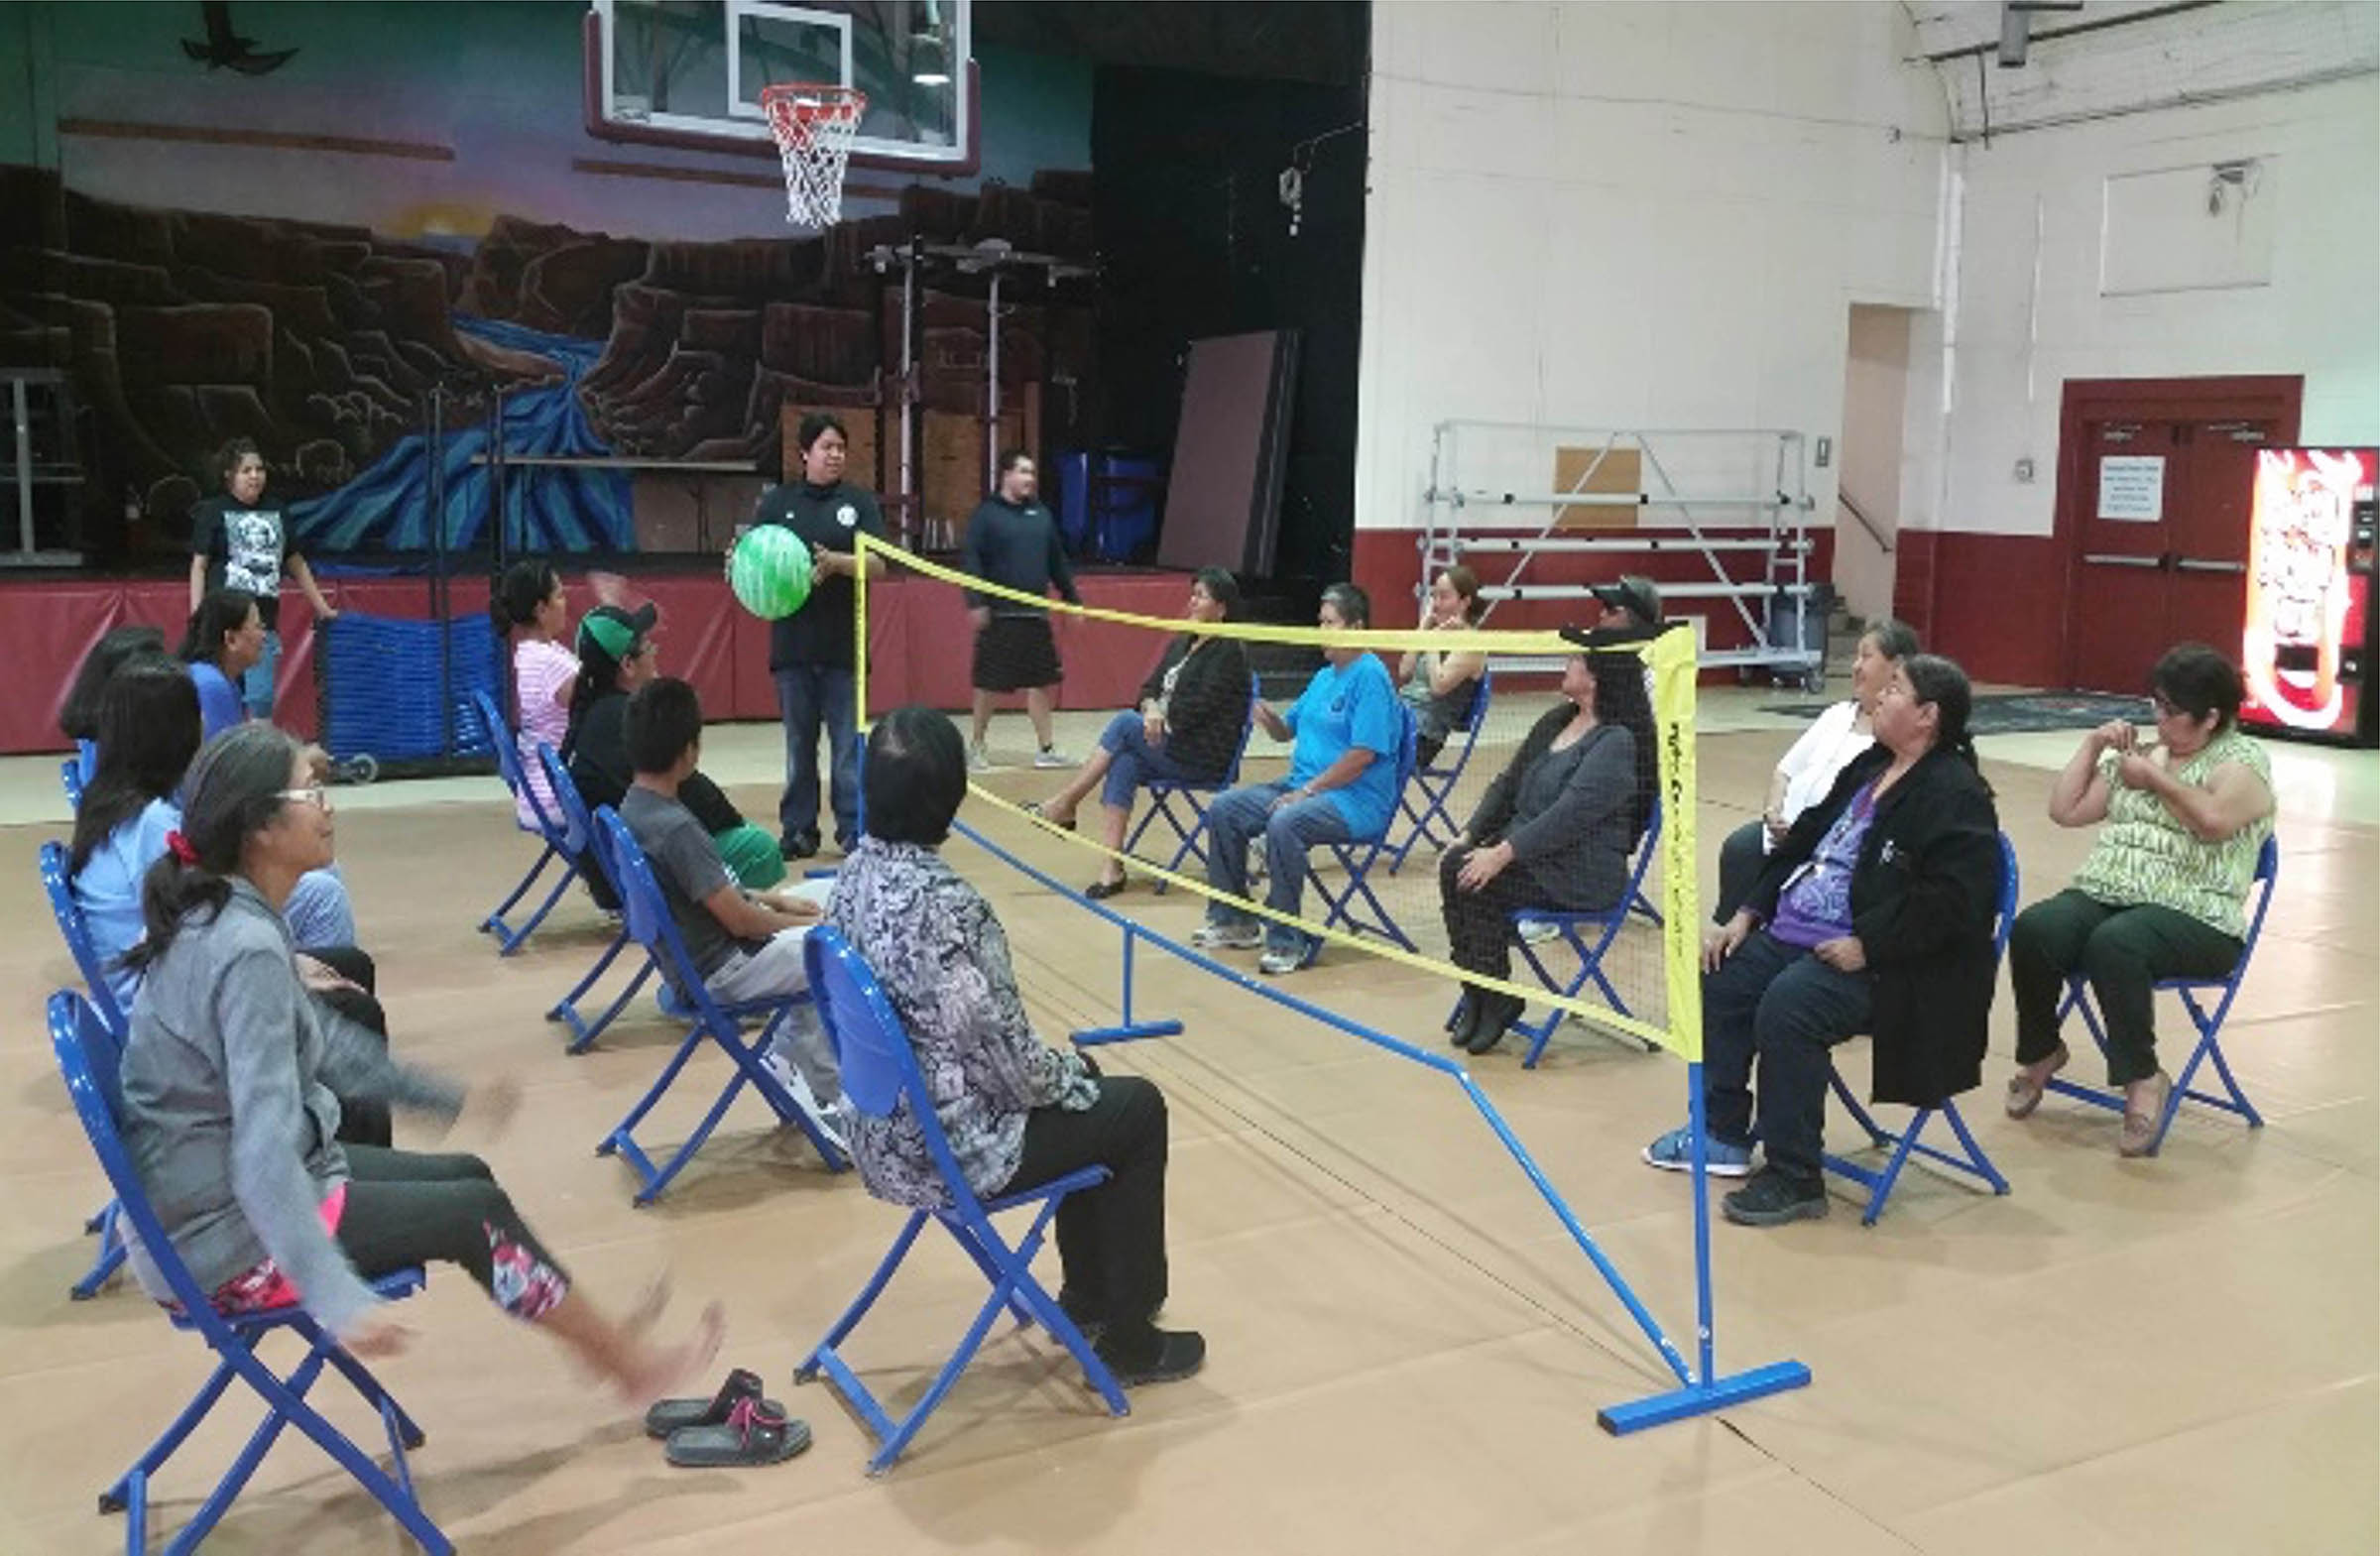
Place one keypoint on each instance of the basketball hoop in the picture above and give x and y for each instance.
(813, 126)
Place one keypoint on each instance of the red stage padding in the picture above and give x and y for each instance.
(920, 642)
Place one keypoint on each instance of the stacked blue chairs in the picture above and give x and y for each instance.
(88, 1054)
(1435, 786)
(2209, 1023)
(68, 913)
(1974, 1164)
(577, 823)
(1162, 792)
(383, 696)
(1352, 902)
(880, 1078)
(69, 776)
(559, 844)
(1572, 927)
(650, 925)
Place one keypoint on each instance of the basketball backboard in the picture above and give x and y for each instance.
(690, 74)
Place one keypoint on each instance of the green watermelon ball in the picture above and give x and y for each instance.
(770, 572)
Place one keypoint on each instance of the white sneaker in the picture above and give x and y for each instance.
(778, 1065)
(1228, 937)
(1536, 932)
(1052, 757)
(977, 760)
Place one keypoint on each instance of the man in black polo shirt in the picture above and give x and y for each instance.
(809, 651)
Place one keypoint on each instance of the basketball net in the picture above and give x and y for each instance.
(813, 126)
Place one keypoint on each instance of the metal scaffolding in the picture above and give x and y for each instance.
(1737, 499)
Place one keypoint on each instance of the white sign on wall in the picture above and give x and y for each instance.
(2132, 487)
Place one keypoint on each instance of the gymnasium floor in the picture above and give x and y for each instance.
(2176, 1355)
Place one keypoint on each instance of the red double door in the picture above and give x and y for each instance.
(2154, 490)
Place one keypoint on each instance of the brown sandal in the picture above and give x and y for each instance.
(2025, 1087)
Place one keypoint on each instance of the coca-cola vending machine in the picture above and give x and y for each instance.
(2307, 646)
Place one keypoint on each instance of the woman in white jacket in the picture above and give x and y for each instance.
(1808, 771)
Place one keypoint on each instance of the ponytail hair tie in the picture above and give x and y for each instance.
(179, 846)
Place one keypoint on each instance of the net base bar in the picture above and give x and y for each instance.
(1703, 1391)
(1680, 1404)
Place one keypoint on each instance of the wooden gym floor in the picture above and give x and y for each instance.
(1407, 1354)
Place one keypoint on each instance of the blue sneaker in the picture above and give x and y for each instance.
(1674, 1152)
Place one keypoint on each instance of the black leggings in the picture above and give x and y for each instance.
(1479, 924)
(408, 1208)
(363, 1121)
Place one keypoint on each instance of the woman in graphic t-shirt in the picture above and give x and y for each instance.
(238, 544)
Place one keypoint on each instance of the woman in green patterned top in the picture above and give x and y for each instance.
(2164, 891)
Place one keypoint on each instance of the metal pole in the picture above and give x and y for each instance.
(992, 389)
(912, 508)
(439, 607)
(24, 425)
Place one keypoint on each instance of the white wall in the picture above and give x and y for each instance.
(1630, 215)
(2319, 317)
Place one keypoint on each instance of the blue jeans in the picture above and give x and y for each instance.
(256, 687)
(1785, 1007)
(1238, 816)
(806, 694)
(1133, 761)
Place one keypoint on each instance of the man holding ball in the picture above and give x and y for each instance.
(809, 650)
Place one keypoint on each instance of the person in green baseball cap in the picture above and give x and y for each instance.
(617, 656)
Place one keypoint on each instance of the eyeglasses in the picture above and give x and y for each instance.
(315, 796)
(2167, 708)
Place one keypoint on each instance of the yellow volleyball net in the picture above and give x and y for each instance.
(1592, 913)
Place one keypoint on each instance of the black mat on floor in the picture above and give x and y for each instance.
(2019, 712)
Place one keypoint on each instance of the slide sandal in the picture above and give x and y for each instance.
(754, 1435)
(675, 1415)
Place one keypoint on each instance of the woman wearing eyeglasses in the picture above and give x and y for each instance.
(229, 1078)
(2164, 890)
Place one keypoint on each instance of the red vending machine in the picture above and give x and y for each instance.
(2308, 643)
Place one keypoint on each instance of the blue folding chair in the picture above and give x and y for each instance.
(1572, 927)
(69, 775)
(77, 933)
(2210, 1023)
(559, 844)
(1436, 785)
(1354, 895)
(577, 823)
(88, 1054)
(882, 1079)
(1162, 792)
(1974, 1162)
(651, 926)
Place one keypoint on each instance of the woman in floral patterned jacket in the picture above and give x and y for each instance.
(1018, 1112)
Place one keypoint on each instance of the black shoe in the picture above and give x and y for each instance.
(1154, 1356)
(1496, 1013)
(797, 845)
(1465, 1021)
(1770, 1199)
(1100, 890)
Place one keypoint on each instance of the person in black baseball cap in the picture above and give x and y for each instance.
(1631, 602)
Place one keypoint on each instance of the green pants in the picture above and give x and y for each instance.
(2123, 952)
(751, 855)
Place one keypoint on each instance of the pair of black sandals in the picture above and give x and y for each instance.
(736, 1428)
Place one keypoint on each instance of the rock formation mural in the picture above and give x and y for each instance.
(329, 346)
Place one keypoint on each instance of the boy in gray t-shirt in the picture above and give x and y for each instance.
(747, 945)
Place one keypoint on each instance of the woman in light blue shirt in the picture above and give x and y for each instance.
(226, 638)
(1350, 733)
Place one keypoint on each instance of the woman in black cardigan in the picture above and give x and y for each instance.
(1192, 713)
(1873, 916)
(1553, 830)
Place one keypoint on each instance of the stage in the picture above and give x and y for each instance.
(918, 640)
